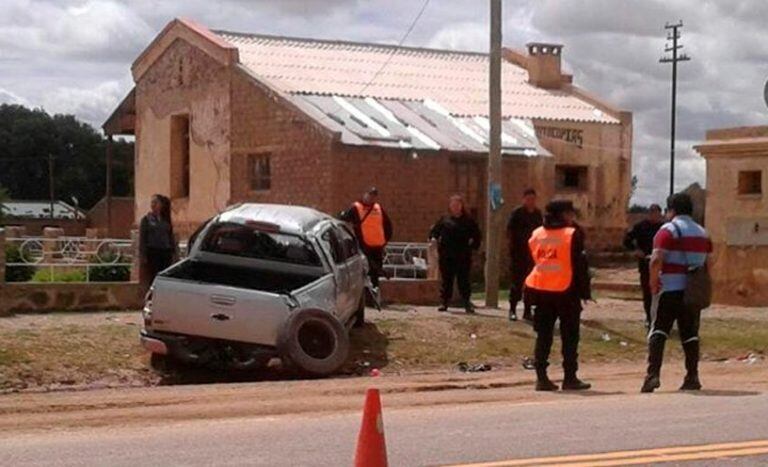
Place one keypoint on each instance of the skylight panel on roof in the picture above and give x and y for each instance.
(356, 113)
(429, 142)
(506, 139)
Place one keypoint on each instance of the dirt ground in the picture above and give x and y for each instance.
(62, 410)
(69, 351)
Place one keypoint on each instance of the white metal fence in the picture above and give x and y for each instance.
(70, 253)
(406, 260)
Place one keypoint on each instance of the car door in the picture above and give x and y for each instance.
(355, 265)
(331, 244)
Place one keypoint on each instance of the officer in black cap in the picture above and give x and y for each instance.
(555, 288)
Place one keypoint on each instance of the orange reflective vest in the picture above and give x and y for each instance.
(371, 224)
(551, 251)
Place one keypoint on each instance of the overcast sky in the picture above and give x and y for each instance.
(73, 56)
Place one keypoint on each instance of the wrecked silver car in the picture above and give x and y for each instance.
(260, 281)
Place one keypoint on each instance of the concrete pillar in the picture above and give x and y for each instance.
(51, 238)
(136, 266)
(2, 257)
(433, 261)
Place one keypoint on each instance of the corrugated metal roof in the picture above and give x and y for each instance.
(420, 125)
(457, 80)
(41, 210)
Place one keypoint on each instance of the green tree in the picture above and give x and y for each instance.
(29, 136)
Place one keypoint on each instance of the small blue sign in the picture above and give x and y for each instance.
(495, 196)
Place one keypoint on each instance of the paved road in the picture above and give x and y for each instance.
(463, 434)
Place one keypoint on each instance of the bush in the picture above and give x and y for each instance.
(45, 275)
(110, 272)
(16, 273)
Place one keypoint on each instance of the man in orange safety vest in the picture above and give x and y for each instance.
(373, 229)
(555, 288)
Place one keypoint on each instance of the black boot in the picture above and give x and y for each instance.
(469, 308)
(655, 358)
(691, 381)
(651, 383)
(543, 383)
(572, 383)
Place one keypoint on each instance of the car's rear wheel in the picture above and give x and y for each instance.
(314, 341)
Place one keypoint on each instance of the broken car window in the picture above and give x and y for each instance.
(250, 242)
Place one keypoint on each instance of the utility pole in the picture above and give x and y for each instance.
(494, 163)
(674, 36)
(51, 193)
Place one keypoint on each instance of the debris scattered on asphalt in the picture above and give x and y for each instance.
(473, 336)
(606, 337)
(465, 367)
(623, 343)
(750, 358)
(528, 363)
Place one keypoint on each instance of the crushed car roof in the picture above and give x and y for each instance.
(291, 219)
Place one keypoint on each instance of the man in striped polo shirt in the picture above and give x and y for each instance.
(680, 245)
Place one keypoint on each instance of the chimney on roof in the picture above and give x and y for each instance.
(544, 65)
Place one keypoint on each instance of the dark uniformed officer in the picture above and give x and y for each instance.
(457, 236)
(522, 222)
(556, 286)
(640, 240)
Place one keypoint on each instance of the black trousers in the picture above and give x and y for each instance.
(518, 273)
(157, 261)
(455, 268)
(375, 263)
(671, 309)
(644, 266)
(548, 311)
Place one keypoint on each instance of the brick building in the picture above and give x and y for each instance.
(737, 213)
(222, 117)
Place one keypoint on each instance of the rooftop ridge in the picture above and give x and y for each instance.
(342, 42)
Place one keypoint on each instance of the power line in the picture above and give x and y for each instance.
(399, 44)
(395, 50)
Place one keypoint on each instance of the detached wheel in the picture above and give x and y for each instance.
(314, 341)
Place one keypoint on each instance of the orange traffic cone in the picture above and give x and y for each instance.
(371, 448)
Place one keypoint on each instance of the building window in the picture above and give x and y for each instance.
(260, 177)
(751, 182)
(571, 177)
(180, 166)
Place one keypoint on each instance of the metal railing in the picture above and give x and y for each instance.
(71, 254)
(406, 260)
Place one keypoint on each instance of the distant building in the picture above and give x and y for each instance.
(737, 212)
(34, 216)
(224, 117)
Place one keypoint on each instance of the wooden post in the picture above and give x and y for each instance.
(493, 213)
(2, 256)
(108, 193)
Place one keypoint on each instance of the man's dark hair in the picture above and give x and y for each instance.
(681, 203)
(654, 207)
(529, 191)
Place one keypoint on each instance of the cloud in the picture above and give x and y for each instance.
(8, 97)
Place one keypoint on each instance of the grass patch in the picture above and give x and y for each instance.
(107, 352)
(70, 355)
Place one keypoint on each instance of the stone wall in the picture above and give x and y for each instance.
(49, 297)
